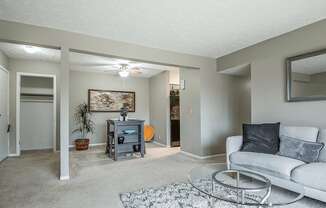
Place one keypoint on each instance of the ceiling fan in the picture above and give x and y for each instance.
(123, 69)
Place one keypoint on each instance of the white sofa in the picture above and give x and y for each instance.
(283, 171)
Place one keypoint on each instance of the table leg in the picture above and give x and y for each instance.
(243, 197)
(238, 181)
(267, 195)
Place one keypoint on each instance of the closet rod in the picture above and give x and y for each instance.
(36, 101)
(40, 95)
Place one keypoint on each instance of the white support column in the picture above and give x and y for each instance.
(64, 115)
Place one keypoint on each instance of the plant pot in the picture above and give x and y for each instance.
(81, 144)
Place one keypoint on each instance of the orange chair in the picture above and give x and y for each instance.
(149, 132)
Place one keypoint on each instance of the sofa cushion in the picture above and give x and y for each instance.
(311, 175)
(309, 134)
(301, 150)
(322, 139)
(262, 138)
(271, 164)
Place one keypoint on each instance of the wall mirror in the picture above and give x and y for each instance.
(306, 77)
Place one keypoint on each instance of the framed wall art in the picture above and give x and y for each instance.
(111, 101)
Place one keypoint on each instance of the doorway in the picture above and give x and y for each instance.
(23, 61)
(175, 115)
(4, 113)
(36, 101)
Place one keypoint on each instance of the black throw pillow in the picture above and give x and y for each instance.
(261, 138)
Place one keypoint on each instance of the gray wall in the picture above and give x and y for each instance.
(300, 84)
(3, 141)
(308, 85)
(3, 60)
(41, 67)
(159, 105)
(319, 84)
(244, 102)
(214, 93)
(238, 101)
(218, 111)
(80, 82)
(190, 123)
(268, 82)
(190, 126)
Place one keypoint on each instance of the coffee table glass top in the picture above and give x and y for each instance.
(241, 187)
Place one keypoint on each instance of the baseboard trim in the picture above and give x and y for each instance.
(201, 157)
(13, 155)
(4, 159)
(97, 144)
(159, 144)
(64, 178)
(91, 145)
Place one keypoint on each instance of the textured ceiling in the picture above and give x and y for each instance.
(17, 51)
(208, 28)
(82, 62)
(95, 63)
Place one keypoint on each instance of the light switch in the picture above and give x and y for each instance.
(182, 84)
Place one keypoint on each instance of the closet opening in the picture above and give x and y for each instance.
(36, 112)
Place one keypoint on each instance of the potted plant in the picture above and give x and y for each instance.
(85, 126)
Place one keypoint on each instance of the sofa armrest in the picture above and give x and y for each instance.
(233, 144)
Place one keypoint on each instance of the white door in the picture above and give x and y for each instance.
(4, 114)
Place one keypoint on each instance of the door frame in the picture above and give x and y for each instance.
(18, 90)
(8, 105)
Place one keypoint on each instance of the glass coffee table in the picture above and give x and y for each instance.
(240, 187)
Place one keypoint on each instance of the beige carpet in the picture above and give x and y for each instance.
(31, 181)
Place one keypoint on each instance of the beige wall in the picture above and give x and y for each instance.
(174, 76)
(80, 82)
(268, 81)
(159, 105)
(40, 67)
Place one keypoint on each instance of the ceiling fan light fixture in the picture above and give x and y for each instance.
(124, 73)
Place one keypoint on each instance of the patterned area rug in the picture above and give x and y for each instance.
(178, 195)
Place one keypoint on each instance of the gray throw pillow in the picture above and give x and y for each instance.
(299, 149)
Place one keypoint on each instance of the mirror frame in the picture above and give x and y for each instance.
(288, 63)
